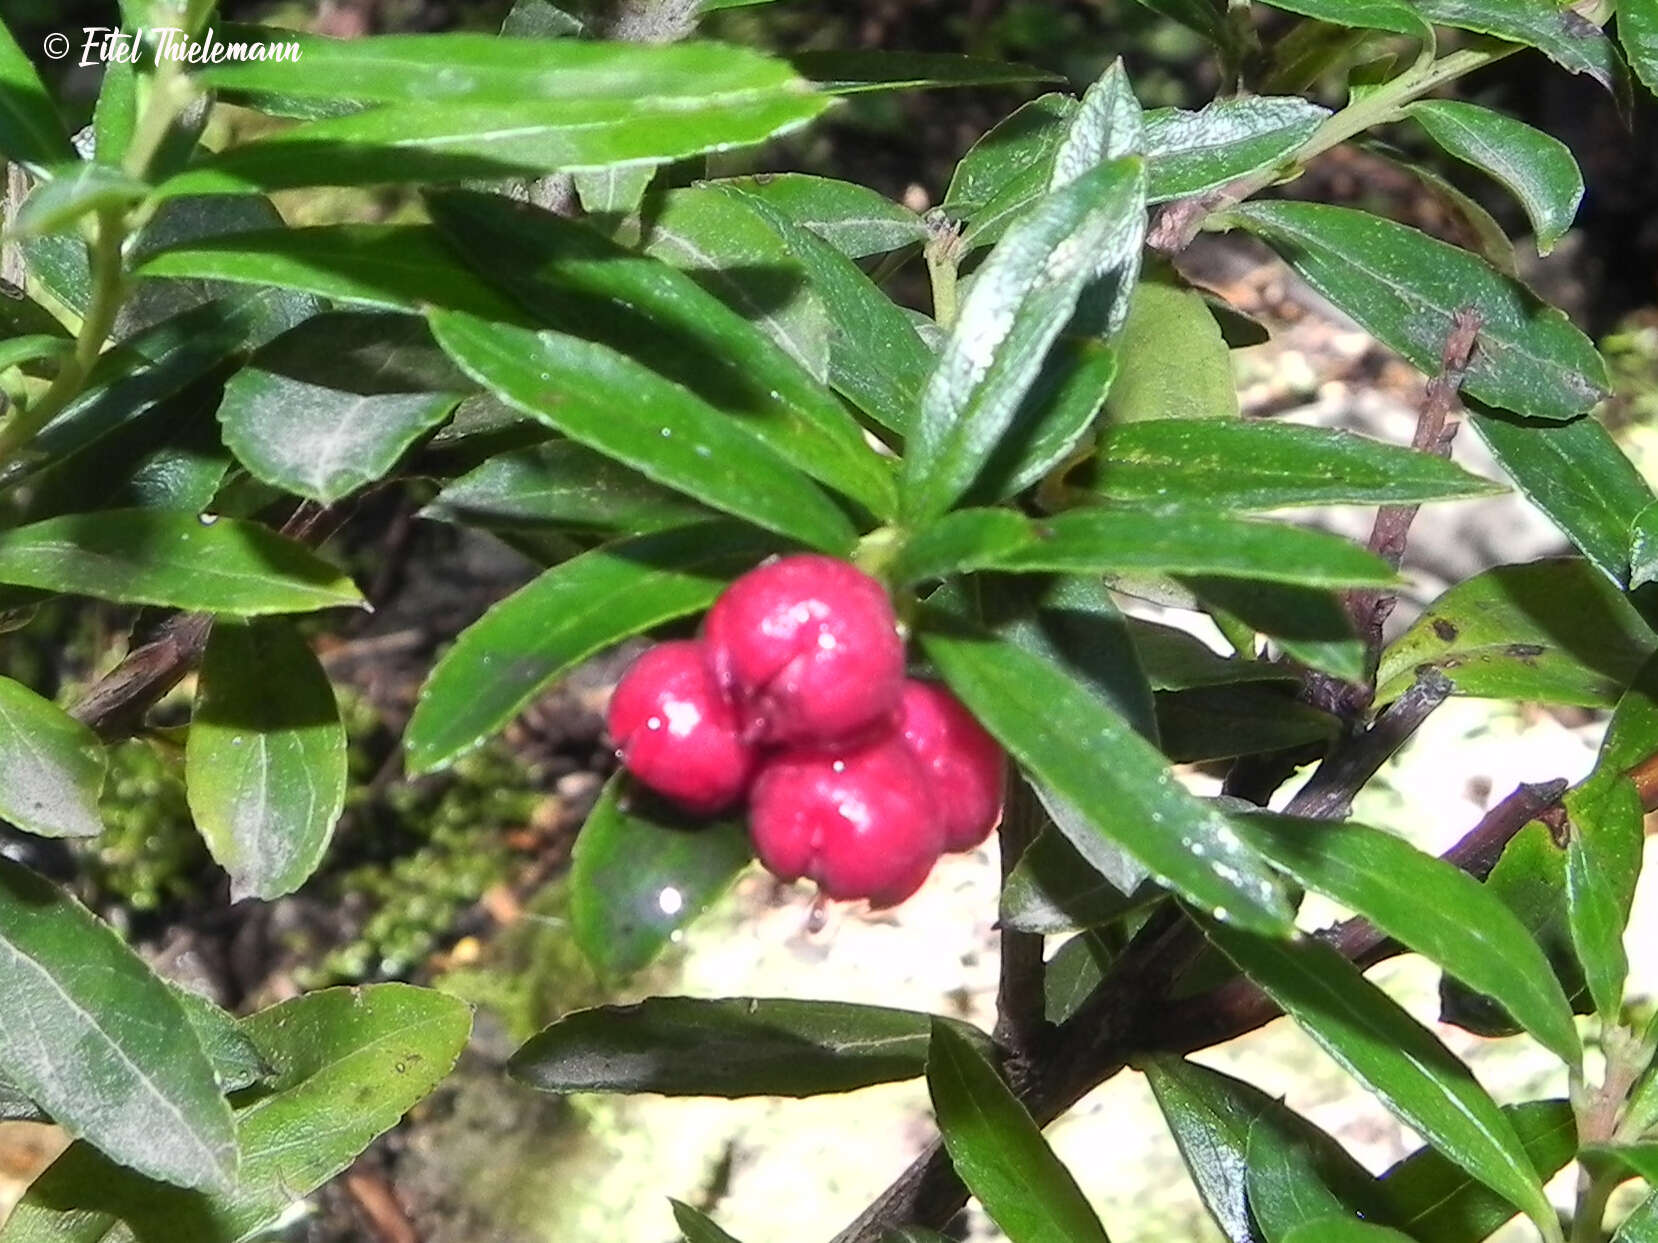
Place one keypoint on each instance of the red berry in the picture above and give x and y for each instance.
(676, 733)
(967, 767)
(861, 823)
(808, 649)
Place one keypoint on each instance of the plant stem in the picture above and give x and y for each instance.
(944, 255)
(1592, 1194)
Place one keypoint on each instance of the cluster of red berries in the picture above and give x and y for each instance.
(795, 697)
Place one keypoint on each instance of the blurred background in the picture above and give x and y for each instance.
(456, 879)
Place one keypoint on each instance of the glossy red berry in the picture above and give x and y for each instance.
(861, 823)
(807, 647)
(965, 764)
(676, 733)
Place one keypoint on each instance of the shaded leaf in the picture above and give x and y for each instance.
(1175, 660)
(95, 1038)
(1603, 862)
(1364, 14)
(731, 1047)
(1308, 623)
(637, 877)
(171, 559)
(1537, 169)
(851, 218)
(30, 130)
(1154, 382)
(1009, 167)
(1224, 722)
(999, 1152)
(51, 767)
(1553, 631)
(1079, 749)
(695, 1226)
(1054, 889)
(71, 191)
(1405, 288)
(265, 762)
(543, 630)
(1073, 972)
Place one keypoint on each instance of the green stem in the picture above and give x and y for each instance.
(1592, 1195)
(941, 270)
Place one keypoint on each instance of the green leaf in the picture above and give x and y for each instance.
(1362, 14)
(1054, 889)
(852, 72)
(1259, 464)
(730, 1047)
(1565, 37)
(1437, 1202)
(558, 485)
(237, 1062)
(1224, 722)
(1405, 288)
(695, 1226)
(1641, 1226)
(1115, 541)
(1060, 410)
(54, 767)
(1107, 125)
(175, 560)
(1308, 623)
(613, 192)
(330, 406)
(1019, 302)
(398, 267)
(1009, 168)
(1154, 382)
(572, 611)
(95, 1038)
(853, 219)
(1072, 974)
(265, 761)
(432, 141)
(1552, 631)
(1176, 660)
(717, 239)
(576, 282)
(31, 132)
(999, 1152)
(1069, 740)
(638, 877)
(1537, 169)
(1576, 474)
(1640, 1160)
(1638, 32)
(347, 1064)
(1203, 16)
(537, 19)
(613, 404)
(1385, 1049)
(1643, 547)
(876, 358)
(20, 350)
(1485, 236)
(1286, 1182)
(1344, 1230)
(1190, 152)
(1212, 1117)
(71, 191)
(1432, 908)
(1603, 862)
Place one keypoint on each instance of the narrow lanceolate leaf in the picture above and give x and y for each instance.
(639, 875)
(51, 767)
(1561, 34)
(1393, 1056)
(1020, 301)
(1433, 908)
(1537, 169)
(1107, 125)
(1309, 623)
(876, 358)
(331, 405)
(999, 1152)
(1053, 889)
(1068, 739)
(852, 72)
(1603, 862)
(399, 267)
(265, 761)
(1638, 32)
(1577, 475)
(697, 1227)
(175, 560)
(71, 191)
(1363, 14)
(1190, 152)
(1259, 464)
(1113, 541)
(613, 404)
(717, 239)
(557, 486)
(1073, 972)
(1212, 1117)
(31, 132)
(1405, 288)
(583, 606)
(1437, 1201)
(1641, 1226)
(1286, 1182)
(1203, 16)
(855, 220)
(1552, 631)
(20, 350)
(1008, 168)
(730, 1047)
(96, 1039)
(574, 281)
(346, 1065)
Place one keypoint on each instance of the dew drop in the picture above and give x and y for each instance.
(207, 520)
